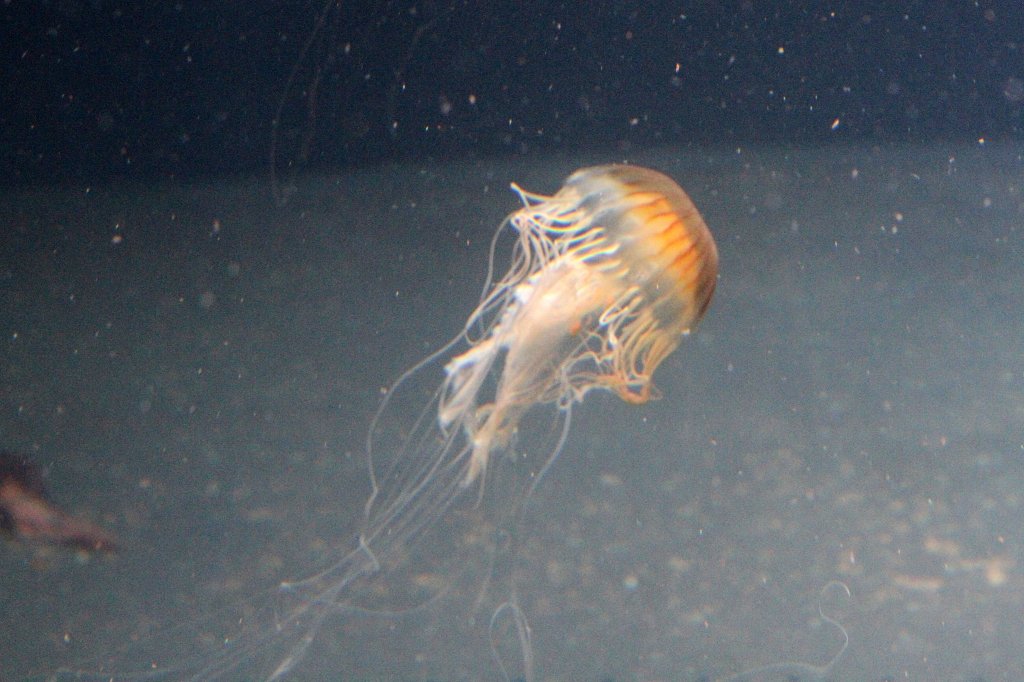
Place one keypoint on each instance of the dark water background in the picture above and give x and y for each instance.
(195, 365)
(95, 89)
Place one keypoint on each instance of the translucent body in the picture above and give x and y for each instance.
(606, 277)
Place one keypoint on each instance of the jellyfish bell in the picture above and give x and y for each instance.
(606, 277)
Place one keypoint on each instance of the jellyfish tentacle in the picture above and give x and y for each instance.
(605, 278)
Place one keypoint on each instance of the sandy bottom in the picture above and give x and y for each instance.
(196, 368)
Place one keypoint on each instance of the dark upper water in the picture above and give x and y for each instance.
(101, 88)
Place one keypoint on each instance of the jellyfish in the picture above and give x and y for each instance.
(607, 276)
